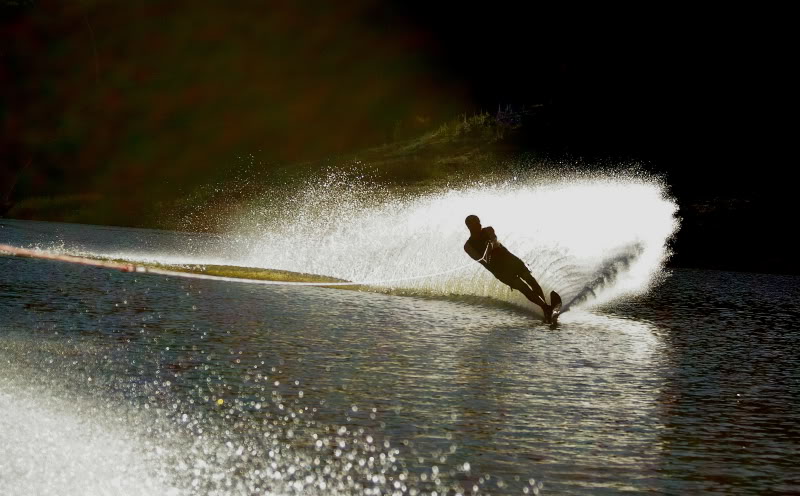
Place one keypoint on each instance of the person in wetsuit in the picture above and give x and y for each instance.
(483, 247)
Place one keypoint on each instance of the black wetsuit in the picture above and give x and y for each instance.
(502, 263)
(509, 269)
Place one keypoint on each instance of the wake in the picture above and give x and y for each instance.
(591, 238)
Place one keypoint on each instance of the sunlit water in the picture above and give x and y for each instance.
(126, 383)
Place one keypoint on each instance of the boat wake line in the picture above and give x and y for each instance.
(142, 269)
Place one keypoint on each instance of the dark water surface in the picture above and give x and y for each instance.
(144, 384)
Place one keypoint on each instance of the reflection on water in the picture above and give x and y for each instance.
(732, 379)
(148, 384)
(64, 446)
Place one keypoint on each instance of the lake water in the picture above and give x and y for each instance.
(125, 383)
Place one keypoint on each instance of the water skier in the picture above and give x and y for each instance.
(483, 247)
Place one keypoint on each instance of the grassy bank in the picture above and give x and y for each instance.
(467, 146)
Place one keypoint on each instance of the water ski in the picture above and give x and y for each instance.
(555, 301)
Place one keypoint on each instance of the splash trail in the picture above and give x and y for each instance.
(592, 239)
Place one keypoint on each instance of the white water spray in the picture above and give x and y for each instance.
(590, 239)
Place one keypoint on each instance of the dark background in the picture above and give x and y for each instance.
(702, 93)
(141, 101)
